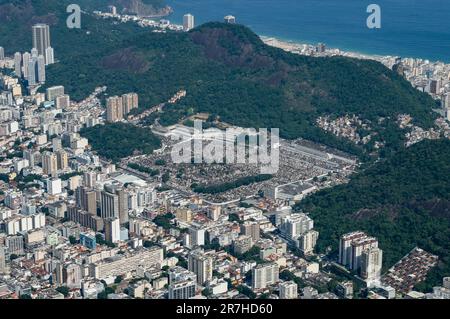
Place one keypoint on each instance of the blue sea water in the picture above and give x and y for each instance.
(409, 28)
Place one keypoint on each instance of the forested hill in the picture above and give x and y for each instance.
(226, 69)
(403, 200)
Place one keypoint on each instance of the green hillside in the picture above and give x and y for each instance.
(403, 200)
(226, 70)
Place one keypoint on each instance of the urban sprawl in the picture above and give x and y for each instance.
(73, 225)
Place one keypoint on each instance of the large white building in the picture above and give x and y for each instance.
(197, 236)
(359, 252)
(294, 225)
(41, 42)
(54, 91)
(54, 186)
(188, 22)
(20, 223)
(201, 265)
(123, 264)
(182, 289)
(307, 241)
(288, 290)
(264, 275)
(371, 263)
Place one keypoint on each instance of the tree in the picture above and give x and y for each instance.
(64, 290)
(25, 296)
(72, 240)
(149, 243)
(118, 279)
(207, 292)
(165, 177)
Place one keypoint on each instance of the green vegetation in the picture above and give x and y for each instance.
(66, 176)
(227, 71)
(144, 169)
(246, 291)
(251, 255)
(100, 241)
(164, 220)
(64, 290)
(220, 188)
(118, 140)
(403, 200)
(72, 240)
(4, 178)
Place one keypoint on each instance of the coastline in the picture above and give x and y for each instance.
(294, 45)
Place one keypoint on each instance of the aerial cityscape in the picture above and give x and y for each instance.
(96, 112)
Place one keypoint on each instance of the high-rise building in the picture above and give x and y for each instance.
(242, 244)
(371, 263)
(41, 69)
(56, 144)
(90, 178)
(123, 205)
(18, 64)
(2, 260)
(54, 186)
(351, 247)
(26, 57)
(109, 204)
(62, 102)
(54, 92)
(182, 289)
(197, 236)
(201, 265)
(86, 199)
(2, 53)
(14, 244)
(114, 109)
(112, 229)
(114, 203)
(112, 10)
(62, 160)
(345, 289)
(230, 19)
(294, 225)
(447, 101)
(49, 163)
(251, 228)
(129, 101)
(188, 22)
(345, 248)
(358, 247)
(288, 290)
(307, 241)
(49, 56)
(264, 275)
(32, 70)
(72, 276)
(41, 38)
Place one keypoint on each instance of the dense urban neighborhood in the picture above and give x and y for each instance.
(93, 205)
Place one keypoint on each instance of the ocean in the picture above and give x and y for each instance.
(409, 28)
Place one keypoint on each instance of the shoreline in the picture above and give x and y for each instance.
(292, 45)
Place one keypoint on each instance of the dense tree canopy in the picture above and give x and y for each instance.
(403, 200)
(118, 140)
